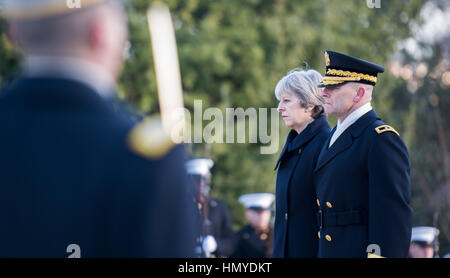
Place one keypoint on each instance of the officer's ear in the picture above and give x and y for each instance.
(97, 33)
(360, 92)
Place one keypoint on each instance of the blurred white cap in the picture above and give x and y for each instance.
(424, 234)
(257, 201)
(199, 166)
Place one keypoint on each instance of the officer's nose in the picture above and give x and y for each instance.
(325, 93)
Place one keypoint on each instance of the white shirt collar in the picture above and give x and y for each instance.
(72, 68)
(352, 118)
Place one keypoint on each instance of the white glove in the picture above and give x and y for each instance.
(209, 245)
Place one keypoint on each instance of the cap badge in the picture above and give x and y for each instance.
(327, 59)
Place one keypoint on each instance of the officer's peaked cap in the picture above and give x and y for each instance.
(341, 69)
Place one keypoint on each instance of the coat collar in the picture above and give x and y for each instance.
(55, 92)
(345, 140)
(360, 125)
(80, 70)
(295, 141)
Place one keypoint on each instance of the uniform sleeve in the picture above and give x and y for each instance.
(390, 215)
(175, 211)
(225, 240)
(154, 213)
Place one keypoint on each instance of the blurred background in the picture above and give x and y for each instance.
(233, 52)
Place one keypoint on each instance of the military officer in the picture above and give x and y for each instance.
(217, 237)
(362, 173)
(256, 239)
(424, 242)
(77, 178)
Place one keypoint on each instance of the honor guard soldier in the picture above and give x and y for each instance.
(256, 239)
(216, 239)
(424, 242)
(79, 179)
(362, 173)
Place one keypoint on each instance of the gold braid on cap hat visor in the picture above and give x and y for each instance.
(326, 82)
(348, 76)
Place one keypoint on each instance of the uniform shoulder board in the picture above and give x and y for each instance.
(383, 128)
(148, 139)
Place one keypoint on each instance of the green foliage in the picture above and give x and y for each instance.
(232, 53)
(429, 137)
(9, 62)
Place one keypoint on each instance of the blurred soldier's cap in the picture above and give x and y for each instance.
(341, 69)
(35, 9)
(424, 235)
(199, 166)
(257, 201)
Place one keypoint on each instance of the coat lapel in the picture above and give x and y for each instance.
(342, 143)
(295, 141)
(290, 137)
(345, 140)
(325, 146)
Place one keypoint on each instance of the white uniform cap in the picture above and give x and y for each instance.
(199, 166)
(33, 9)
(258, 201)
(424, 234)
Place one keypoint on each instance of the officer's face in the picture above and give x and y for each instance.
(115, 36)
(420, 251)
(258, 219)
(198, 182)
(292, 111)
(339, 100)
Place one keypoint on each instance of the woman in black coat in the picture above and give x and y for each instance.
(301, 106)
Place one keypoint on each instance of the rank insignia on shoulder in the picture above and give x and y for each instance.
(148, 139)
(383, 128)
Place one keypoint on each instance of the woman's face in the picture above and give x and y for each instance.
(292, 112)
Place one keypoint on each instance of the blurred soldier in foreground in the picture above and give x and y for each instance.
(256, 239)
(216, 239)
(74, 171)
(424, 242)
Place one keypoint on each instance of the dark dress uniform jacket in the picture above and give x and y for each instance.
(363, 189)
(295, 220)
(218, 224)
(221, 227)
(253, 244)
(67, 176)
